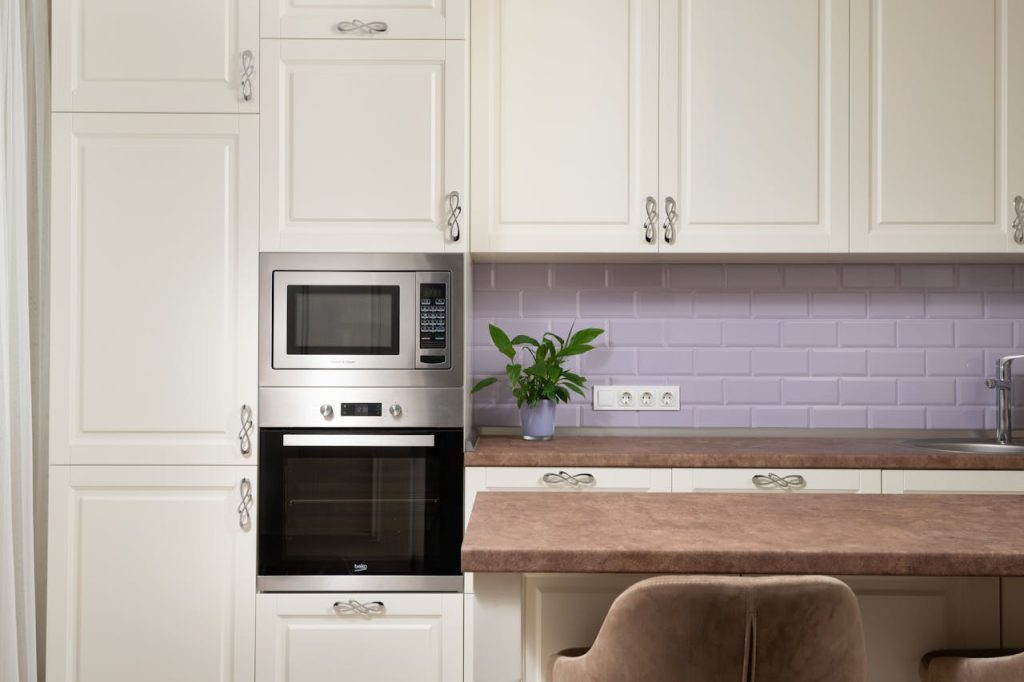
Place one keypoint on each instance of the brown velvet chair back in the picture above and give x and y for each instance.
(725, 629)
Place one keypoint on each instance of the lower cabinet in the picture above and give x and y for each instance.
(777, 480)
(385, 637)
(152, 573)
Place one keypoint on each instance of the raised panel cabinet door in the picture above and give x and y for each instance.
(937, 125)
(363, 146)
(564, 125)
(152, 574)
(387, 637)
(754, 125)
(156, 55)
(367, 19)
(153, 289)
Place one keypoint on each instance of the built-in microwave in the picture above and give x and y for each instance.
(360, 319)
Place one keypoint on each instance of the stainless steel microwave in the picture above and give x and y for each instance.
(361, 319)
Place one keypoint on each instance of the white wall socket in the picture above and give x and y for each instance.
(637, 398)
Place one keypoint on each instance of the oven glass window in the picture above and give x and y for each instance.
(342, 320)
(360, 510)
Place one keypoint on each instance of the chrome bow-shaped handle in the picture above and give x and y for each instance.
(245, 506)
(454, 211)
(353, 607)
(244, 439)
(565, 478)
(248, 70)
(671, 215)
(356, 26)
(650, 225)
(784, 482)
(1018, 221)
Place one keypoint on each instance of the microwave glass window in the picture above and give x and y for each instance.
(343, 320)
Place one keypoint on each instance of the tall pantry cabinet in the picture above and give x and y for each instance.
(152, 546)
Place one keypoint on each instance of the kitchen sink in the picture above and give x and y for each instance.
(971, 445)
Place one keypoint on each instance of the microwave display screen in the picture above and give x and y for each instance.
(343, 320)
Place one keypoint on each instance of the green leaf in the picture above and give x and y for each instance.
(585, 336)
(514, 371)
(484, 383)
(553, 335)
(574, 350)
(575, 378)
(501, 342)
(576, 389)
(562, 394)
(524, 339)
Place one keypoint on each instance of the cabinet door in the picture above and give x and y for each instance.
(362, 144)
(373, 19)
(155, 55)
(777, 480)
(315, 637)
(904, 618)
(152, 574)
(565, 124)
(754, 126)
(153, 289)
(937, 127)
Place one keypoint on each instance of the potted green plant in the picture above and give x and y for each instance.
(545, 382)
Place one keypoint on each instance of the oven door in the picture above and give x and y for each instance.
(344, 320)
(360, 509)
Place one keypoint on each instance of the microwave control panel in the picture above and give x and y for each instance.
(434, 319)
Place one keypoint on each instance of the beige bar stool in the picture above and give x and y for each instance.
(973, 666)
(724, 628)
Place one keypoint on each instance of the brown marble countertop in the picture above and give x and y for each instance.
(741, 452)
(964, 535)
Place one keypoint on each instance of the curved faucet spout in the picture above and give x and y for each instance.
(1003, 383)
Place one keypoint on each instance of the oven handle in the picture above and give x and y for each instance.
(358, 440)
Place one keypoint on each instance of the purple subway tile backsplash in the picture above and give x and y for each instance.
(791, 346)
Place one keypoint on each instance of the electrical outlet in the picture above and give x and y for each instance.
(636, 398)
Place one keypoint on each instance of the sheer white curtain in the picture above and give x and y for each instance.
(22, 206)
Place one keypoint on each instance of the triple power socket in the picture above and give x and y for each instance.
(636, 398)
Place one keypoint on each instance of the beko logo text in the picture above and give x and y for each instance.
(359, 568)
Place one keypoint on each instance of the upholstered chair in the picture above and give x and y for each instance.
(972, 666)
(715, 628)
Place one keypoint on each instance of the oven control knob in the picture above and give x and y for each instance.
(395, 410)
(327, 411)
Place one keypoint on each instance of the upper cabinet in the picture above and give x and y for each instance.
(155, 55)
(153, 290)
(374, 19)
(937, 127)
(754, 123)
(742, 126)
(565, 125)
(363, 146)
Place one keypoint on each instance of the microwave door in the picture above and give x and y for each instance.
(344, 320)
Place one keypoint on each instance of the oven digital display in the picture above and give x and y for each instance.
(360, 409)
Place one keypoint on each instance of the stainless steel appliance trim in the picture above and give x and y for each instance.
(357, 440)
(359, 583)
(451, 376)
(407, 330)
(297, 408)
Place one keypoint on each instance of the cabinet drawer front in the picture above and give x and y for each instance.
(363, 19)
(308, 637)
(960, 482)
(778, 480)
(577, 479)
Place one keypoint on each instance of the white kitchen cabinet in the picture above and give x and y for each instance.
(565, 125)
(363, 146)
(315, 637)
(368, 19)
(155, 55)
(152, 574)
(964, 482)
(937, 125)
(777, 480)
(154, 288)
(754, 126)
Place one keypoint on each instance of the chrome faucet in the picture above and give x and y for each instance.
(1003, 383)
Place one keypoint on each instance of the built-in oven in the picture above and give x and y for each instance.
(361, 413)
(360, 509)
(360, 319)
